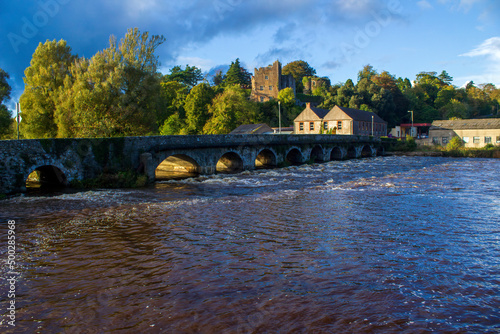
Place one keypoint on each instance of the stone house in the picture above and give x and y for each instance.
(344, 121)
(475, 133)
(268, 81)
(310, 120)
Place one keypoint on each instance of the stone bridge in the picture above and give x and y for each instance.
(60, 161)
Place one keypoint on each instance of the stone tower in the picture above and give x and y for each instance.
(268, 81)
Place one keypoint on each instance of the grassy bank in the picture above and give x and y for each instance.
(455, 148)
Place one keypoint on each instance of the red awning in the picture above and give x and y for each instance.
(415, 124)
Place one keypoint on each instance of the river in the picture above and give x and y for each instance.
(378, 245)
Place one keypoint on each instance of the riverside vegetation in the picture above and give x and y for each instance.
(119, 91)
(455, 148)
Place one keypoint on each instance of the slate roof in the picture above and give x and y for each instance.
(467, 124)
(321, 113)
(361, 115)
(251, 129)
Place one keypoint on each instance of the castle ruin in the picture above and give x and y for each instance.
(268, 81)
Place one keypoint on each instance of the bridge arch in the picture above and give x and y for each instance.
(294, 156)
(317, 154)
(351, 152)
(266, 159)
(336, 154)
(366, 152)
(177, 166)
(230, 162)
(46, 176)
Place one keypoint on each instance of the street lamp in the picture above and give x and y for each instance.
(279, 112)
(372, 126)
(411, 131)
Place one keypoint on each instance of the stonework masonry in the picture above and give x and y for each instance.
(268, 81)
(69, 160)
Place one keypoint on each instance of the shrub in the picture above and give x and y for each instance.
(455, 144)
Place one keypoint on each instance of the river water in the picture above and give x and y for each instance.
(379, 245)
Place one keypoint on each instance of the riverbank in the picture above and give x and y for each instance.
(491, 153)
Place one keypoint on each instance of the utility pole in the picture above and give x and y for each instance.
(411, 132)
(279, 112)
(18, 109)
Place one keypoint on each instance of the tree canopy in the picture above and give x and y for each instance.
(119, 92)
(5, 117)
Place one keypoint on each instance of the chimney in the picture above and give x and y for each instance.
(308, 105)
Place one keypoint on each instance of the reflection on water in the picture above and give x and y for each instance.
(382, 245)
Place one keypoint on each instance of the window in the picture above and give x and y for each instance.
(270, 87)
(465, 139)
(498, 139)
(261, 87)
(487, 140)
(339, 126)
(476, 140)
(325, 126)
(301, 126)
(261, 99)
(445, 140)
(267, 77)
(311, 126)
(435, 140)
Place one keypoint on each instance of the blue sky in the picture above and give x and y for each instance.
(336, 37)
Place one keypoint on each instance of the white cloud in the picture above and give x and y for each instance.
(424, 4)
(490, 49)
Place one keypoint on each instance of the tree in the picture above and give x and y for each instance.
(237, 75)
(173, 95)
(218, 78)
(43, 79)
(455, 109)
(196, 106)
(190, 76)
(117, 91)
(174, 125)
(446, 78)
(230, 110)
(366, 73)
(5, 117)
(298, 69)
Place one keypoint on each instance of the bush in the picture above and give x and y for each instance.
(455, 144)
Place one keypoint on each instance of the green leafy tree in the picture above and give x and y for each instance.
(5, 116)
(218, 78)
(196, 106)
(230, 110)
(173, 96)
(455, 109)
(237, 75)
(43, 79)
(117, 91)
(298, 69)
(174, 125)
(190, 76)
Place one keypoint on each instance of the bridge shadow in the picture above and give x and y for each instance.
(46, 179)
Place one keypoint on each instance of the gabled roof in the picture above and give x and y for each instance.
(321, 113)
(250, 129)
(467, 124)
(311, 114)
(354, 114)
